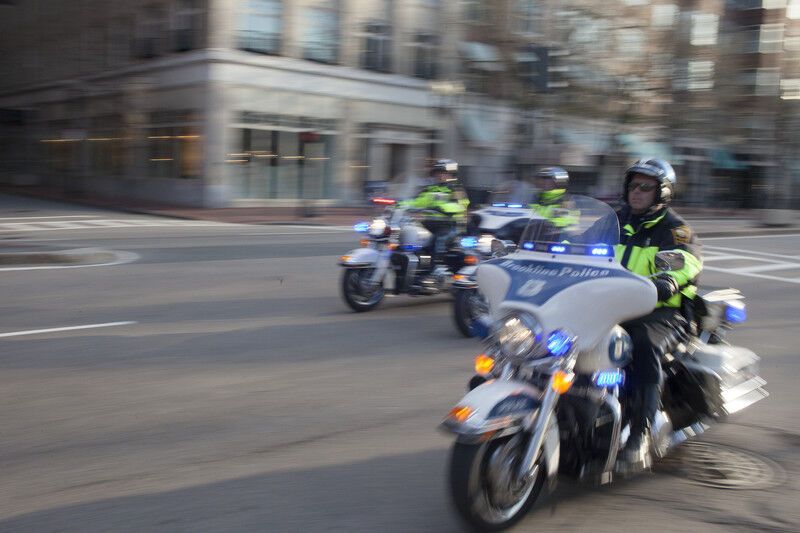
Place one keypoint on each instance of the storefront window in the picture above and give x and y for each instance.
(283, 164)
(174, 145)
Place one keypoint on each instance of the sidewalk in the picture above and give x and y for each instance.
(708, 222)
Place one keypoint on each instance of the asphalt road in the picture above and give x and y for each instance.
(240, 394)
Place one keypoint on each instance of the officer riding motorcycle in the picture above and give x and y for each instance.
(444, 203)
(649, 226)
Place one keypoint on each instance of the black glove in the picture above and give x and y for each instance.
(666, 287)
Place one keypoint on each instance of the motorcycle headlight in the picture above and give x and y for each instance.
(518, 334)
(377, 228)
(485, 244)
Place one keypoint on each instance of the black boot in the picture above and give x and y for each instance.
(637, 454)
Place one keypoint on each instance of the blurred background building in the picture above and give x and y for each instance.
(280, 102)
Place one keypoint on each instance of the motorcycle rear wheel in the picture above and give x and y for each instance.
(478, 476)
(354, 287)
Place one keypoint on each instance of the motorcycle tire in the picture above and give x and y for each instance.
(463, 313)
(352, 284)
(469, 487)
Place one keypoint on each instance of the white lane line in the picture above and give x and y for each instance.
(707, 258)
(122, 258)
(703, 239)
(67, 328)
(751, 252)
(766, 268)
(59, 216)
(749, 275)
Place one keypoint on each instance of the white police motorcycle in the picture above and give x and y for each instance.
(552, 399)
(504, 218)
(396, 255)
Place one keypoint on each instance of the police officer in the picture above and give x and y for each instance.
(444, 200)
(553, 201)
(650, 226)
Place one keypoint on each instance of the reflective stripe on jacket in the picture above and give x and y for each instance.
(449, 202)
(664, 230)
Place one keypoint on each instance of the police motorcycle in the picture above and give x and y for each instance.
(504, 218)
(396, 255)
(550, 394)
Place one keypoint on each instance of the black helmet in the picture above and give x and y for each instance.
(557, 174)
(654, 168)
(444, 165)
(448, 167)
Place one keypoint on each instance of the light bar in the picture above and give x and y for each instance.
(499, 205)
(517, 206)
(600, 250)
(469, 242)
(609, 378)
(528, 245)
(361, 227)
(557, 249)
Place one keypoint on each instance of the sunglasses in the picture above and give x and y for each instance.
(644, 187)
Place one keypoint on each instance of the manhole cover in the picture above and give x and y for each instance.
(722, 467)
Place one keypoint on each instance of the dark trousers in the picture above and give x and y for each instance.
(652, 336)
(443, 230)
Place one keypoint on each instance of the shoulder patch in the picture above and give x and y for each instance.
(681, 235)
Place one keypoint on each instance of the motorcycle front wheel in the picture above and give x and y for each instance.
(356, 291)
(467, 306)
(482, 483)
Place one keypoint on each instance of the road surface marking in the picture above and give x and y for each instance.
(53, 216)
(51, 225)
(122, 258)
(66, 328)
(703, 239)
(751, 252)
(753, 275)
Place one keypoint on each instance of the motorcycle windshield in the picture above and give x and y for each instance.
(579, 226)
(516, 194)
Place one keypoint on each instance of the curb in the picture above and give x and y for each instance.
(77, 256)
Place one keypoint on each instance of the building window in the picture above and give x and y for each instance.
(770, 39)
(261, 26)
(378, 47)
(174, 145)
(700, 76)
(321, 34)
(119, 41)
(151, 30)
(425, 52)
(793, 9)
(704, 29)
(527, 17)
(630, 43)
(664, 15)
(475, 11)
(790, 89)
(188, 25)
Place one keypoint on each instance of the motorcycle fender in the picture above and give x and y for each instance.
(501, 408)
(360, 258)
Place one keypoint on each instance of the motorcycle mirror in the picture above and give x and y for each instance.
(499, 248)
(668, 261)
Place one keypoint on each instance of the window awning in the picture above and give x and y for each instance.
(635, 146)
(723, 159)
(482, 56)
